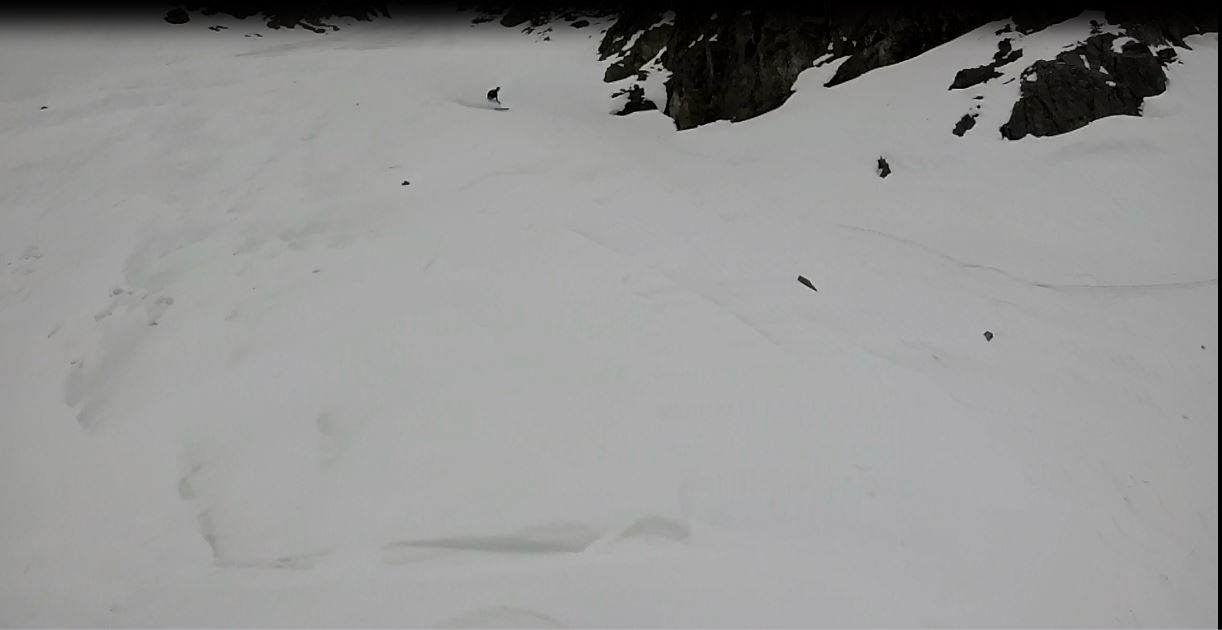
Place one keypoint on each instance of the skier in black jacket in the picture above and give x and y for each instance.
(492, 95)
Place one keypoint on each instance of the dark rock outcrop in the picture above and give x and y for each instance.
(897, 35)
(646, 31)
(735, 64)
(965, 124)
(975, 76)
(968, 77)
(883, 169)
(177, 16)
(636, 101)
(1162, 26)
(1085, 84)
(732, 62)
(1006, 53)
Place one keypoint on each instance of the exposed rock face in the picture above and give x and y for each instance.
(895, 35)
(730, 62)
(975, 76)
(737, 64)
(1158, 27)
(628, 23)
(638, 37)
(1067, 93)
(636, 45)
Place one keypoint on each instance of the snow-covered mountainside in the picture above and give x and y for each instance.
(296, 331)
(727, 62)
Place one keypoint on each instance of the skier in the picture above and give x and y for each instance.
(492, 95)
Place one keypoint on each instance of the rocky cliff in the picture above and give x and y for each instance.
(734, 62)
(700, 63)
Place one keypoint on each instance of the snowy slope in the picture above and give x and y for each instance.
(567, 377)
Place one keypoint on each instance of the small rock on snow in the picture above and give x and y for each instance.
(884, 169)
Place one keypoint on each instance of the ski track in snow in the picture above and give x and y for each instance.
(1186, 284)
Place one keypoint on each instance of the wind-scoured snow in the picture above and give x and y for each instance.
(566, 376)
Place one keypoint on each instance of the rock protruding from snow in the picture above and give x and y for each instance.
(1089, 82)
(636, 101)
(741, 64)
(637, 38)
(738, 66)
(1160, 26)
(896, 36)
(965, 124)
(969, 77)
